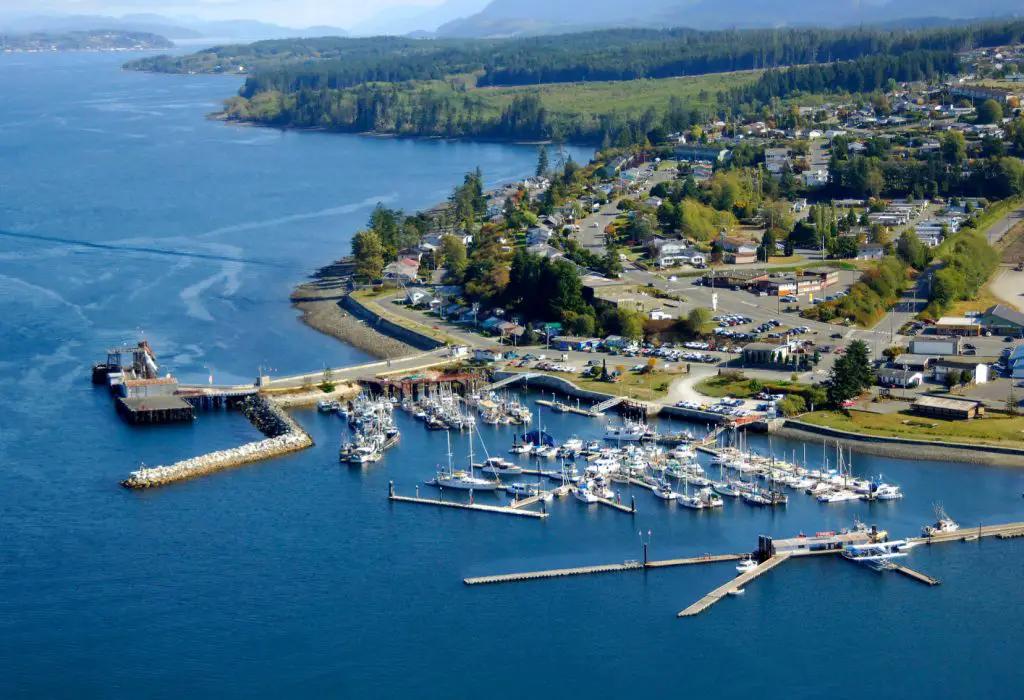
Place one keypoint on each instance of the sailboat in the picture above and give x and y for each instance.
(461, 480)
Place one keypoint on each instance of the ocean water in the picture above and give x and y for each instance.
(123, 211)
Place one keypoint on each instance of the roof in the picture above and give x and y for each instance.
(766, 346)
(947, 404)
(897, 372)
(956, 321)
(961, 362)
(161, 381)
(1005, 313)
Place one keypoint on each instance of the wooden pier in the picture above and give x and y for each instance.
(736, 584)
(622, 508)
(600, 569)
(515, 510)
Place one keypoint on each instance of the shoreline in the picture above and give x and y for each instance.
(319, 301)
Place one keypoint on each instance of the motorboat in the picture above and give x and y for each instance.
(520, 490)
(327, 406)
(887, 492)
(584, 494)
(546, 451)
(364, 454)
(943, 524)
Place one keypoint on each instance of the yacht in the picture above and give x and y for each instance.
(520, 448)
(838, 496)
(500, 466)
(627, 432)
(943, 524)
(746, 565)
(546, 451)
(573, 445)
(888, 492)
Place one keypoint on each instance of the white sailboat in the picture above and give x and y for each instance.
(460, 480)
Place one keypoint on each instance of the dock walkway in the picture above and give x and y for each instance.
(1004, 531)
(599, 569)
(503, 510)
(916, 575)
(733, 585)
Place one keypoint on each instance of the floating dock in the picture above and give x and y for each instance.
(916, 575)
(600, 569)
(514, 510)
(734, 585)
(1003, 532)
(558, 406)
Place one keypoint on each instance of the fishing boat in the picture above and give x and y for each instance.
(326, 406)
(710, 498)
(364, 454)
(943, 524)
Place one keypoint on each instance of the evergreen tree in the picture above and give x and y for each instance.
(369, 254)
(542, 160)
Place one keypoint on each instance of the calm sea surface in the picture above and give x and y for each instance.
(122, 210)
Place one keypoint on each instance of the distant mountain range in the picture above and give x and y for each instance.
(402, 20)
(170, 27)
(516, 17)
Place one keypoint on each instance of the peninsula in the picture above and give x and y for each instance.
(92, 40)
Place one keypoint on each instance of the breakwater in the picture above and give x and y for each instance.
(284, 435)
(408, 336)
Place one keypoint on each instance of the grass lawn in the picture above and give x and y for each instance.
(783, 260)
(646, 387)
(632, 96)
(721, 386)
(993, 429)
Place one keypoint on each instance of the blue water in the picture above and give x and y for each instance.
(296, 577)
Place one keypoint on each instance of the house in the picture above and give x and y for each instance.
(670, 253)
(977, 370)
(954, 409)
(658, 314)
(404, 269)
(417, 297)
(487, 354)
(815, 178)
(509, 329)
(544, 251)
(776, 160)
(1003, 320)
(894, 376)
(911, 361)
(765, 354)
(977, 92)
(539, 235)
(871, 251)
(653, 202)
(569, 342)
(739, 252)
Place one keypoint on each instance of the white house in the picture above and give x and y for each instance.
(815, 178)
(538, 235)
(776, 159)
(487, 354)
(659, 314)
(978, 371)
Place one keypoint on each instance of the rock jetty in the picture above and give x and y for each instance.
(283, 436)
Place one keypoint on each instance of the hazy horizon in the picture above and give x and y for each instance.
(288, 13)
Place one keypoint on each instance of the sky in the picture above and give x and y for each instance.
(291, 13)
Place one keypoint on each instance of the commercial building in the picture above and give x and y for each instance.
(807, 282)
(935, 346)
(957, 325)
(950, 409)
(693, 153)
(1003, 320)
(765, 354)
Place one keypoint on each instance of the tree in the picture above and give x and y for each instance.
(717, 252)
(954, 147)
(453, 253)
(912, 251)
(368, 251)
(542, 160)
(990, 112)
(851, 374)
(631, 324)
(846, 247)
(951, 379)
(792, 405)
(697, 320)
